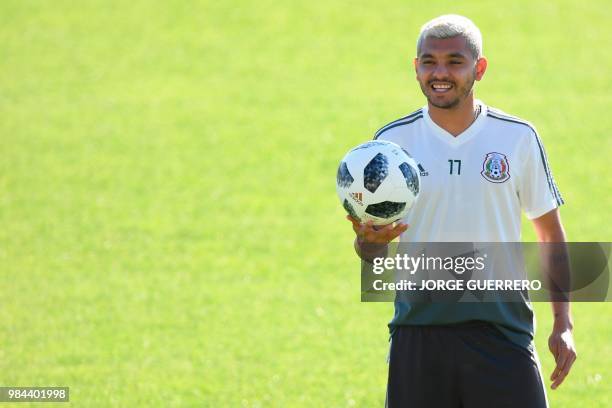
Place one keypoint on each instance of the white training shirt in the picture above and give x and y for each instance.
(474, 186)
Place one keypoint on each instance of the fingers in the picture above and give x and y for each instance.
(395, 231)
(561, 360)
(564, 365)
(369, 232)
(384, 234)
(566, 356)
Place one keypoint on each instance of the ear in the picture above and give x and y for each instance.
(414, 63)
(481, 67)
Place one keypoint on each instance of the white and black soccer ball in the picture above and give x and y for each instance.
(377, 181)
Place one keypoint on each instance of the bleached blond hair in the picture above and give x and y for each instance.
(449, 26)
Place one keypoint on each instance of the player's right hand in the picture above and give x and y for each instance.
(368, 233)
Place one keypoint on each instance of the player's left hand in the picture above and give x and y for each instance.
(561, 345)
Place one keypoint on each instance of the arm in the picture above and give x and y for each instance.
(548, 228)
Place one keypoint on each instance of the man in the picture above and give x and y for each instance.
(479, 169)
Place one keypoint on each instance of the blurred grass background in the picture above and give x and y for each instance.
(170, 234)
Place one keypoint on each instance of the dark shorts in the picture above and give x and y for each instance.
(469, 365)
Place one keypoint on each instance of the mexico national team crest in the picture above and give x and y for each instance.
(495, 168)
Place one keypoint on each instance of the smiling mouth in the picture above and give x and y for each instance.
(441, 87)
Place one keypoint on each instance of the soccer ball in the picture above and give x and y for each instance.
(378, 181)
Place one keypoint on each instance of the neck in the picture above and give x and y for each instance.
(456, 119)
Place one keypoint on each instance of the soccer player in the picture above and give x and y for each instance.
(480, 167)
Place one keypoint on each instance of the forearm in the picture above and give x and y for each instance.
(369, 251)
(557, 275)
(551, 235)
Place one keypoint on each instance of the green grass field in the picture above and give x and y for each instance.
(169, 230)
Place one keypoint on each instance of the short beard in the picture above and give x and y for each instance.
(448, 105)
(463, 93)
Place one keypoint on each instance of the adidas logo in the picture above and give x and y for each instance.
(358, 197)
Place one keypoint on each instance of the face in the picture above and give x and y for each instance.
(446, 71)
